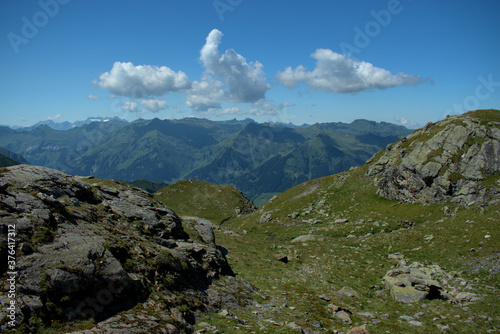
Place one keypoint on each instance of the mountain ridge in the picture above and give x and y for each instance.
(227, 152)
(8, 158)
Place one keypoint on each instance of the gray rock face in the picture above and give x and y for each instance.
(450, 160)
(91, 249)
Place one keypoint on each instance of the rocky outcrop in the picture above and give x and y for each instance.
(456, 159)
(416, 282)
(409, 285)
(92, 248)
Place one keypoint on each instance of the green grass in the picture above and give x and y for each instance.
(43, 235)
(492, 180)
(435, 153)
(485, 116)
(201, 199)
(355, 254)
(148, 186)
(6, 161)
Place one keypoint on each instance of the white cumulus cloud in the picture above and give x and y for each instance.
(154, 105)
(246, 81)
(226, 77)
(205, 94)
(126, 79)
(336, 73)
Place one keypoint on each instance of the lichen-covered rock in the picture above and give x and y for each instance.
(409, 285)
(93, 248)
(415, 282)
(204, 227)
(455, 160)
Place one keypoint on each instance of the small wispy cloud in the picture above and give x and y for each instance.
(130, 106)
(154, 105)
(406, 123)
(265, 107)
(231, 111)
(54, 117)
(92, 97)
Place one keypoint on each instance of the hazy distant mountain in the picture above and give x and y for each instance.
(62, 126)
(256, 158)
(55, 148)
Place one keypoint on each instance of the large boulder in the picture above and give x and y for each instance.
(415, 282)
(409, 285)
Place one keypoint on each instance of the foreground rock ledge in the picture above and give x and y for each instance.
(88, 248)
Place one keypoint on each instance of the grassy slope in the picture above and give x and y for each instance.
(355, 254)
(6, 161)
(17, 158)
(148, 186)
(201, 199)
(347, 256)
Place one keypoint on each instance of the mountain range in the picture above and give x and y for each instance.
(260, 159)
(405, 243)
(66, 125)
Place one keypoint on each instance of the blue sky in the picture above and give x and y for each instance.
(407, 62)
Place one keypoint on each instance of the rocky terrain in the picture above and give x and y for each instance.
(94, 249)
(456, 159)
(407, 243)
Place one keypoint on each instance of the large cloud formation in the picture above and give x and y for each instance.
(335, 73)
(141, 81)
(246, 81)
(229, 77)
